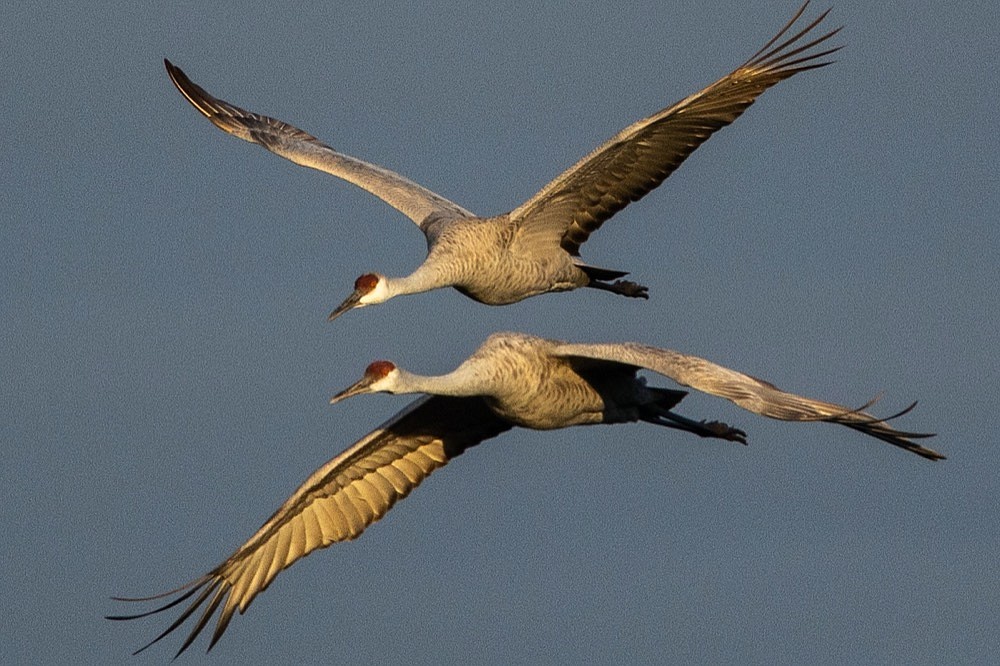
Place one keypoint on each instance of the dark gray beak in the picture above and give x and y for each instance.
(358, 387)
(350, 303)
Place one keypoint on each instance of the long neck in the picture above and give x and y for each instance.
(425, 278)
(463, 381)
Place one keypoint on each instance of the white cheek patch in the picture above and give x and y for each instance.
(379, 294)
(386, 384)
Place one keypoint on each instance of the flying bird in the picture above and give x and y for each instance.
(535, 248)
(511, 380)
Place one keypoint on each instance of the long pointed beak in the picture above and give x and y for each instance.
(357, 388)
(349, 303)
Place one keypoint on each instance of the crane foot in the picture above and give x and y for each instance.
(622, 287)
(723, 431)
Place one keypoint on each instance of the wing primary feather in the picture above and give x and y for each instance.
(196, 583)
(180, 620)
(201, 581)
(798, 14)
(220, 594)
(791, 40)
(224, 617)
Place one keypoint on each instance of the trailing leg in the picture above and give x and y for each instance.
(622, 287)
(600, 278)
(713, 429)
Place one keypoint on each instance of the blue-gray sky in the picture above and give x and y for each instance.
(167, 360)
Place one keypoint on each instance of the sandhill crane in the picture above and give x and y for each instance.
(511, 380)
(535, 248)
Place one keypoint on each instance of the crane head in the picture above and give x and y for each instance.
(369, 289)
(379, 376)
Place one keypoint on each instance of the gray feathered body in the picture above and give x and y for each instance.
(546, 384)
(483, 259)
(526, 383)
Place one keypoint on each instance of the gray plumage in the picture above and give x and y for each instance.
(535, 248)
(511, 380)
(545, 384)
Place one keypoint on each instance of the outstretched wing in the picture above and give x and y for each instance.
(748, 392)
(293, 144)
(336, 503)
(640, 157)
